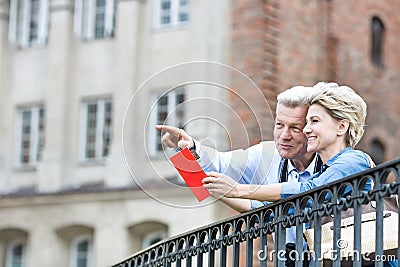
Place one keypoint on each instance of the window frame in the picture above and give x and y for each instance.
(147, 238)
(377, 41)
(100, 129)
(74, 247)
(377, 150)
(10, 256)
(20, 24)
(85, 16)
(37, 125)
(175, 10)
(154, 134)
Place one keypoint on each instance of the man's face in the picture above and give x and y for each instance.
(288, 132)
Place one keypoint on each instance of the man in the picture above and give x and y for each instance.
(283, 160)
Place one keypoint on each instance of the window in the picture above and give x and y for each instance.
(377, 151)
(171, 12)
(94, 19)
(28, 22)
(152, 238)
(96, 129)
(80, 240)
(15, 254)
(81, 252)
(30, 135)
(167, 110)
(378, 32)
(147, 233)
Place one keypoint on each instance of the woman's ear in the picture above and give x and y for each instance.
(343, 126)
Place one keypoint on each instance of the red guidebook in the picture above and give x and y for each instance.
(191, 172)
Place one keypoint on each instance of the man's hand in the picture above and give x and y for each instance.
(175, 137)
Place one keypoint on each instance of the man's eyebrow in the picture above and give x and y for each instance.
(297, 124)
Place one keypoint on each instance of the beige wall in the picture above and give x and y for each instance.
(109, 215)
(68, 70)
(60, 75)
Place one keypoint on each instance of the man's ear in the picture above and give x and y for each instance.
(343, 126)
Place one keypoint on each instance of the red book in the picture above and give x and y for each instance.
(191, 172)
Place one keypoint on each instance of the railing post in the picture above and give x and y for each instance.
(222, 256)
(299, 236)
(317, 232)
(280, 238)
(263, 248)
(379, 224)
(211, 257)
(357, 259)
(199, 258)
(249, 251)
(236, 253)
(189, 261)
(336, 253)
(188, 258)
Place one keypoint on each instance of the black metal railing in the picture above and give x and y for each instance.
(231, 242)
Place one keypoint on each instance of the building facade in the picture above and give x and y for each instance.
(84, 180)
(73, 191)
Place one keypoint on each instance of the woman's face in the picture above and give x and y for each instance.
(322, 131)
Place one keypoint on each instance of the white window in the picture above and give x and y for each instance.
(94, 19)
(28, 22)
(153, 237)
(16, 254)
(167, 110)
(81, 252)
(30, 136)
(171, 12)
(96, 129)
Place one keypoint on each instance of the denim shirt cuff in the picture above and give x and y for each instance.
(255, 204)
(289, 189)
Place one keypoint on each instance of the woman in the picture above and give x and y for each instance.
(335, 124)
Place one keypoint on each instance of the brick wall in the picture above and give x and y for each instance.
(284, 43)
(250, 52)
(379, 86)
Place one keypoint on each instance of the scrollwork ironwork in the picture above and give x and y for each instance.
(274, 218)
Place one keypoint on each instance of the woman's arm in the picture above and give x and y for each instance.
(220, 185)
(238, 204)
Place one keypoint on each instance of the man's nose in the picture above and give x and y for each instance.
(286, 133)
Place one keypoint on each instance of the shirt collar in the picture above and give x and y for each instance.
(333, 159)
(310, 168)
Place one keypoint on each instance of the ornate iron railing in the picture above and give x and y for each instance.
(231, 241)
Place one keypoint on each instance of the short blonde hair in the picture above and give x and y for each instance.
(294, 97)
(342, 102)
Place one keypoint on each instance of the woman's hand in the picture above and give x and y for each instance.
(219, 185)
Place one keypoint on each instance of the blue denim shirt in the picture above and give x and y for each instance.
(346, 162)
(343, 164)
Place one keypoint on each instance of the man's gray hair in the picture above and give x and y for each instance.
(294, 97)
